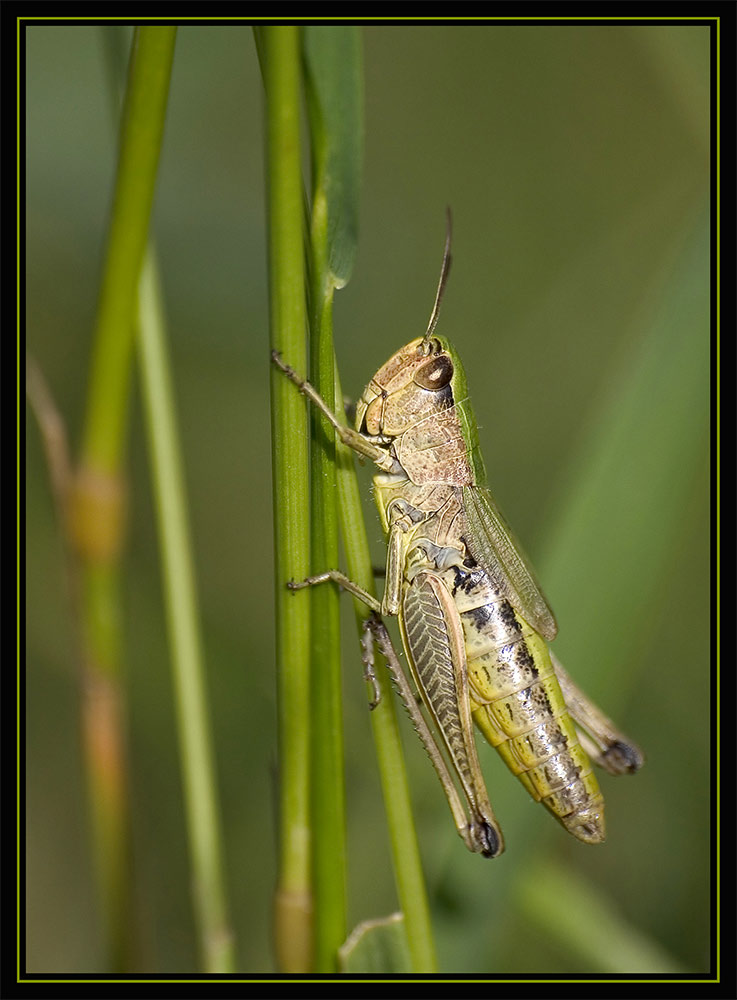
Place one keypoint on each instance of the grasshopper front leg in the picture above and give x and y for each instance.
(358, 442)
(343, 581)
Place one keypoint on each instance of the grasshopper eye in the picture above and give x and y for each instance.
(436, 374)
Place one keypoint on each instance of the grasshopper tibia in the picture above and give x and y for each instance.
(479, 834)
(367, 656)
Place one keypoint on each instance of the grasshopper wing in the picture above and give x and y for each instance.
(494, 547)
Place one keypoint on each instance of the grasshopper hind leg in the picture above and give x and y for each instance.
(482, 834)
(606, 745)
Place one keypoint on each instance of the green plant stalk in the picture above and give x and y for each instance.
(142, 129)
(408, 874)
(191, 701)
(330, 62)
(279, 53)
(333, 90)
(96, 502)
(105, 759)
(328, 779)
(216, 945)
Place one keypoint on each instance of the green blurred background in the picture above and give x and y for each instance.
(575, 160)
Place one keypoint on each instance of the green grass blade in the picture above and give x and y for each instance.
(377, 946)
(629, 509)
(332, 75)
(408, 872)
(328, 778)
(570, 910)
(191, 701)
(142, 129)
(96, 504)
(279, 53)
(629, 505)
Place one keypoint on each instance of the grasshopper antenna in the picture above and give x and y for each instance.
(444, 271)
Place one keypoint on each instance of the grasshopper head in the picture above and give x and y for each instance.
(419, 400)
(415, 383)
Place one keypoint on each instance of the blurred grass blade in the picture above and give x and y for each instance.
(144, 112)
(198, 771)
(278, 49)
(571, 911)
(191, 700)
(377, 946)
(650, 435)
(96, 508)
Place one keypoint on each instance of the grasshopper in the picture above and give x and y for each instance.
(474, 623)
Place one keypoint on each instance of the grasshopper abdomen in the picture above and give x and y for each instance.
(518, 705)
